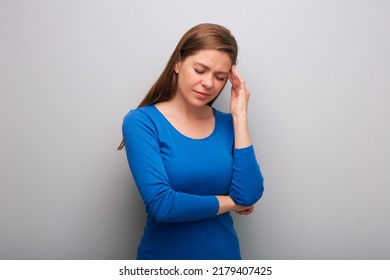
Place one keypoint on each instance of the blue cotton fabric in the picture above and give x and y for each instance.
(178, 178)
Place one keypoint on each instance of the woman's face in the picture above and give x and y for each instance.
(202, 76)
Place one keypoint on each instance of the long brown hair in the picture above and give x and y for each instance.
(205, 36)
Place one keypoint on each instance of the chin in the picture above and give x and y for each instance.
(202, 103)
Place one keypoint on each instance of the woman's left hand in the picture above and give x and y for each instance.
(238, 109)
(239, 94)
(247, 211)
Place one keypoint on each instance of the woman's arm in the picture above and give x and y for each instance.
(147, 167)
(247, 183)
(238, 109)
(227, 204)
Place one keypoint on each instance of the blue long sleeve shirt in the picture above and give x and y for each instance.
(178, 178)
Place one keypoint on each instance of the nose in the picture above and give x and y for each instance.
(207, 81)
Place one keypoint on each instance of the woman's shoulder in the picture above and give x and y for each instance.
(224, 121)
(222, 115)
(140, 112)
(142, 115)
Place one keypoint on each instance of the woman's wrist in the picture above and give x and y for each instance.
(240, 119)
(226, 204)
(241, 132)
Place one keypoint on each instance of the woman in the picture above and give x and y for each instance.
(192, 163)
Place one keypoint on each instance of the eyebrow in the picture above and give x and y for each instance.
(208, 68)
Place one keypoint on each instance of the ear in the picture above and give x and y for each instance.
(177, 66)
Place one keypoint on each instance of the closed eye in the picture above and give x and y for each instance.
(199, 71)
(221, 78)
(202, 71)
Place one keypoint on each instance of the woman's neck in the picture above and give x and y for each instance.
(182, 109)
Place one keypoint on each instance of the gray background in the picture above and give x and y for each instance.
(319, 113)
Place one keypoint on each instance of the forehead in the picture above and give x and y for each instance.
(213, 59)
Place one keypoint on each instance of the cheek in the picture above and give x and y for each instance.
(184, 80)
(188, 78)
(220, 86)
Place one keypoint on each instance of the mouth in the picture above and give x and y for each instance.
(202, 94)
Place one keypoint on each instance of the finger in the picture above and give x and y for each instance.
(237, 77)
(247, 211)
(233, 77)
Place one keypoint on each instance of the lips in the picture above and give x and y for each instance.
(202, 94)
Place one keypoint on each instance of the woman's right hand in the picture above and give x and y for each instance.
(227, 204)
(246, 211)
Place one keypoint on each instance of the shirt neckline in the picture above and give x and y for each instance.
(183, 135)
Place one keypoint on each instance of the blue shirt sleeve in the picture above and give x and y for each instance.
(247, 183)
(147, 167)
